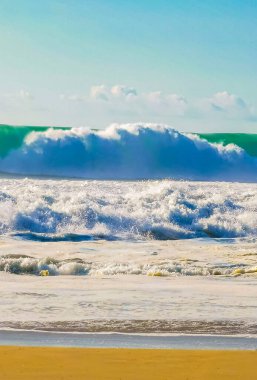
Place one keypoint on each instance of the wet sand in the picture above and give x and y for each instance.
(29, 363)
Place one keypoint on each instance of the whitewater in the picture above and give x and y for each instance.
(137, 227)
(77, 210)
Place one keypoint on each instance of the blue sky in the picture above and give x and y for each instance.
(191, 64)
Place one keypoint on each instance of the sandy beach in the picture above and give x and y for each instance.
(29, 363)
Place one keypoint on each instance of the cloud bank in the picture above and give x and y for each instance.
(105, 104)
(222, 104)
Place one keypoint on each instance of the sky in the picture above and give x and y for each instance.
(191, 64)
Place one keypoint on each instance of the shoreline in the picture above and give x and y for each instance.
(114, 340)
(138, 326)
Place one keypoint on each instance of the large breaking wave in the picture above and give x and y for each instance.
(128, 151)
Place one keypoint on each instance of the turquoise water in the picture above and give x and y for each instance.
(246, 141)
(12, 137)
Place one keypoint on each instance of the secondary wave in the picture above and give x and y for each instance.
(51, 266)
(128, 151)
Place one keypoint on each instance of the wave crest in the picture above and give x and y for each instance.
(128, 151)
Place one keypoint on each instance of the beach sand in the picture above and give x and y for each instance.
(92, 363)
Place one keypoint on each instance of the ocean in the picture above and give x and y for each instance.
(127, 152)
(135, 228)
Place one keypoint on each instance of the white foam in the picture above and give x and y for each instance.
(126, 210)
(181, 267)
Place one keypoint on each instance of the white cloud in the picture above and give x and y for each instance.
(127, 101)
(99, 92)
(102, 92)
(128, 98)
(73, 97)
(121, 98)
(121, 91)
(23, 94)
(224, 101)
(168, 101)
(226, 105)
(19, 95)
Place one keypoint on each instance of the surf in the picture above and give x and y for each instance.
(43, 210)
(122, 152)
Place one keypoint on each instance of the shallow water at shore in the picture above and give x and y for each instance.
(44, 339)
(186, 286)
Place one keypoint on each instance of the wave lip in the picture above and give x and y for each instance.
(127, 151)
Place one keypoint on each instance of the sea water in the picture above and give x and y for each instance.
(137, 228)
